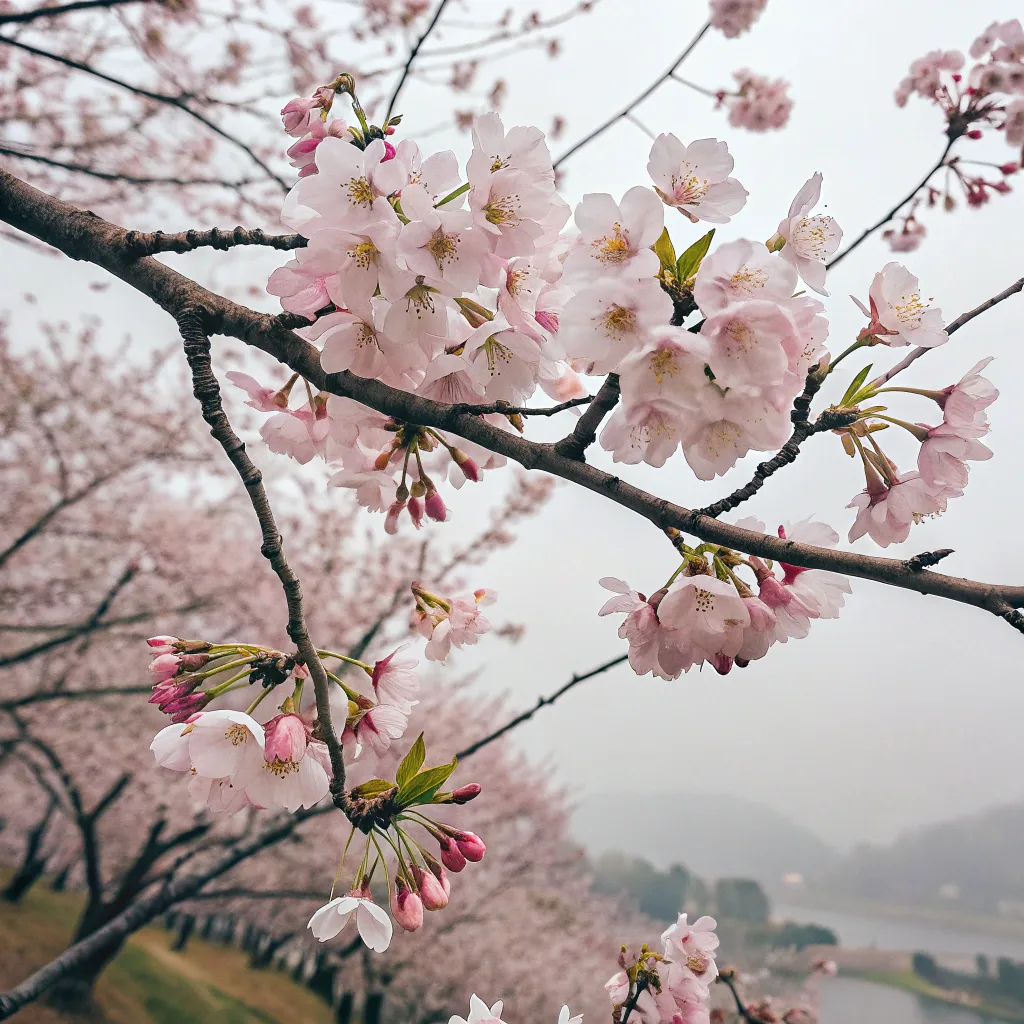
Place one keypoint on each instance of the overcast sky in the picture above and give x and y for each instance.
(906, 710)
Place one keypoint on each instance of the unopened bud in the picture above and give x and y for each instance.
(406, 907)
(402, 493)
(416, 511)
(464, 794)
(381, 462)
(974, 133)
(451, 856)
(389, 152)
(1010, 168)
(436, 508)
(469, 468)
(433, 893)
(391, 520)
(418, 489)
(470, 845)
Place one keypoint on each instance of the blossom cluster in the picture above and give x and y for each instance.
(990, 94)
(254, 759)
(706, 613)
(671, 987)
(481, 1013)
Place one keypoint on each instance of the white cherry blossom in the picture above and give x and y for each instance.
(695, 178)
(809, 240)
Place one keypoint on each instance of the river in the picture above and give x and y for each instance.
(852, 1001)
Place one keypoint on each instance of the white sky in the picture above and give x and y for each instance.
(907, 709)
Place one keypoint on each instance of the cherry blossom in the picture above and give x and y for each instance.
(226, 744)
(733, 17)
(963, 403)
(761, 104)
(887, 512)
(707, 615)
(695, 178)
(373, 923)
(376, 727)
(742, 270)
(942, 458)
(394, 681)
(809, 240)
(480, 1013)
(450, 621)
(293, 773)
(615, 238)
(899, 316)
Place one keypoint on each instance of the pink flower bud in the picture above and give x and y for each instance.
(469, 468)
(390, 130)
(416, 512)
(162, 641)
(721, 663)
(191, 662)
(451, 856)
(464, 794)
(432, 892)
(406, 907)
(470, 845)
(389, 152)
(974, 133)
(286, 739)
(1010, 168)
(549, 321)
(164, 666)
(295, 114)
(183, 708)
(773, 593)
(435, 507)
(391, 520)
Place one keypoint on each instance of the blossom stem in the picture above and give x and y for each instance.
(341, 863)
(223, 687)
(919, 432)
(842, 355)
(256, 703)
(368, 669)
(698, 88)
(349, 692)
(461, 190)
(216, 670)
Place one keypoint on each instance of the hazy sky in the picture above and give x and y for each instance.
(907, 709)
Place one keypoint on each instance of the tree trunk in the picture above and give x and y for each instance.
(373, 1008)
(60, 880)
(74, 994)
(33, 863)
(185, 926)
(345, 1004)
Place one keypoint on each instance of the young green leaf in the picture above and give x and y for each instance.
(689, 262)
(855, 385)
(374, 787)
(665, 251)
(412, 762)
(422, 788)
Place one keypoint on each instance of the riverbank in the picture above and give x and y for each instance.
(907, 981)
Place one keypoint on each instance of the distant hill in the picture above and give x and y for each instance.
(973, 864)
(713, 836)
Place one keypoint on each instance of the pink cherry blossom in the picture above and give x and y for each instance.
(887, 512)
(810, 240)
(292, 774)
(394, 681)
(615, 238)
(695, 178)
(226, 744)
(899, 316)
(963, 403)
(742, 270)
(733, 17)
(762, 104)
(942, 458)
(378, 726)
(707, 615)
(406, 907)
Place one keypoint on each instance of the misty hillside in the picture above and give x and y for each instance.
(713, 836)
(972, 863)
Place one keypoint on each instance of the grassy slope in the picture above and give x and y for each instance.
(148, 983)
(910, 982)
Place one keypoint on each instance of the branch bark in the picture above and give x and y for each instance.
(85, 236)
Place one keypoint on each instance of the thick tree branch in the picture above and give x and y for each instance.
(630, 107)
(541, 703)
(48, 695)
(207, 391)
(140, 913)
(85, 236)
(584, 434)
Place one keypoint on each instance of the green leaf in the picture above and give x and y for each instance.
(855, 385)
(412, 762)
(665, 250)
(422, 788)
(689, 262)
(374, 787)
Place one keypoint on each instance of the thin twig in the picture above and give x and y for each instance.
(727, 978)
(178, 102)
(413, 53)
(630, 1004)
(22, 17)
(48, 695)
(146, 243)
(507, 409)
(963, 318)
(130, 179)
(867, 232)
(207, 391)
(542, 702)
(628, 109)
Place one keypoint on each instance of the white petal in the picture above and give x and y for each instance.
(374, 926)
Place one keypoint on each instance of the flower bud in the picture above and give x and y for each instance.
(406, 907)
(469, 468)
(162, 641)
(416, 512)
(389, 152)
(451, 856)
(295, 114)
(974, 133)
(286, 739)
(436, 507)
(418, 489)
(464, 794)
(391, 520)
(382, 460)
(164, 666)
(432, 892)
(470, 845)
(191, 662)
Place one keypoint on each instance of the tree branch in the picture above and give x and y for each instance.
(864, 235)
(728, 978)
(507, 409)
(86, 236)
(541, 703)
(207, 391)
(413, 53)
(178, 102)
(584, 434)
(628, 109)
(48, 695)
(22, 17)
(147, 243)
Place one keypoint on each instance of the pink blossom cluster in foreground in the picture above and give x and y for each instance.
(273, 755)
(987, 96)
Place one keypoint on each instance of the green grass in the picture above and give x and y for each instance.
(910, 982)
(148, 983)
